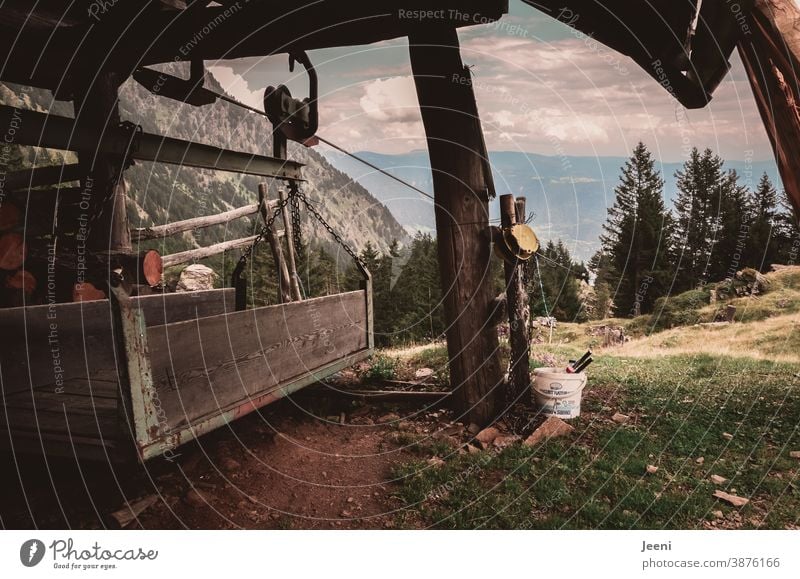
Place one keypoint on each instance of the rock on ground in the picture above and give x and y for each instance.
(732, 499)
(550, 428)
(196, 277)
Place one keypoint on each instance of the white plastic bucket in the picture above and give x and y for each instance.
(557, 393)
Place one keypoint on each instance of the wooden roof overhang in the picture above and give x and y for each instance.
(685, 45)
(61, 45)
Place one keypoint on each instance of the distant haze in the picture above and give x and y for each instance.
(569, 195)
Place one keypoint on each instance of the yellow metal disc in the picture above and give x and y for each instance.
(521, 241)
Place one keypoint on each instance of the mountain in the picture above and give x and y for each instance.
(160, 193)
(568, 195)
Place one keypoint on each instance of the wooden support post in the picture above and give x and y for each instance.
(462, 185)
(98, 110)
(511, 213)
(284, 295)
(294, 284)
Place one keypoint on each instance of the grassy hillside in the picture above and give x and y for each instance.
(701, 402)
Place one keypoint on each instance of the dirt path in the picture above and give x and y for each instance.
(282, 468)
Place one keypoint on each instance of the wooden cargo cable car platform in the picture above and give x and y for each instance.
(134, 377)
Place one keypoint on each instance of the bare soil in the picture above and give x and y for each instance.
(288, 466)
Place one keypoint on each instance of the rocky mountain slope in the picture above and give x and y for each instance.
(162, 193)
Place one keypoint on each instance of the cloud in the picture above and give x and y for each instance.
(393, 99)
(236, 86)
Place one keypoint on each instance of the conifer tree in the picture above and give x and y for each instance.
(637, 237)
(729, 253)
(788, 227)
(763, 245)
(558, 276)
(698, 205)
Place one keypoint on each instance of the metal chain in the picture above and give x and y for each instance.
(338, 238)
(294, 206)
(263, 233)
(296, 195)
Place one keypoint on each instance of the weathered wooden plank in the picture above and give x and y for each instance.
(96, 388)
(50, 344)
(47, 401)
(100, 426)
(52, 444)
(207, 366)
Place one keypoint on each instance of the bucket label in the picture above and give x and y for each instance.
(555, 386)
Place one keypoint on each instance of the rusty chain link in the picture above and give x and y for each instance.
(294, 197)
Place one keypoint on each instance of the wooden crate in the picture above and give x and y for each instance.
(114, 378)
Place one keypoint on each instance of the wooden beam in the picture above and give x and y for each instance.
(41, 176)
(461, 189)
(511, 213)
(287, 224)
(203, 252)
(42, 56)
(160, 231)
(103, 172)
(284, 290)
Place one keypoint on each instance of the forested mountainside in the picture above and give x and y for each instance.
(161, 193)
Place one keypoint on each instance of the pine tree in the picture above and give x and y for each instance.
(698, 206)
(418, 295)
(788, 227)
(729, 253)
(637, 238)
(559, 277)
(603, 303)
(763, 247)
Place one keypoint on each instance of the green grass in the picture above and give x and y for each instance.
(596, 478)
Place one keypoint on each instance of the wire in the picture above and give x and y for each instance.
(368, 164)
(330, 144)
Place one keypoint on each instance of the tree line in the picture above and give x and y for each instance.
(718, 227)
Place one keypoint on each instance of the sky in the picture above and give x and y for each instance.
(541, 87)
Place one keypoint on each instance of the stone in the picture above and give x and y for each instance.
(423, 373)
(472, 449)
(652, 469)
(504, 441)
(718, 480)
(794, 454)
(435, 461)
(718, 514)
(473, 429)
(727, 436)
(196, 277)
(700, 460)
(620, 418)
(551, 428)
(732, 499)
(387, 418)
(487, 436)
